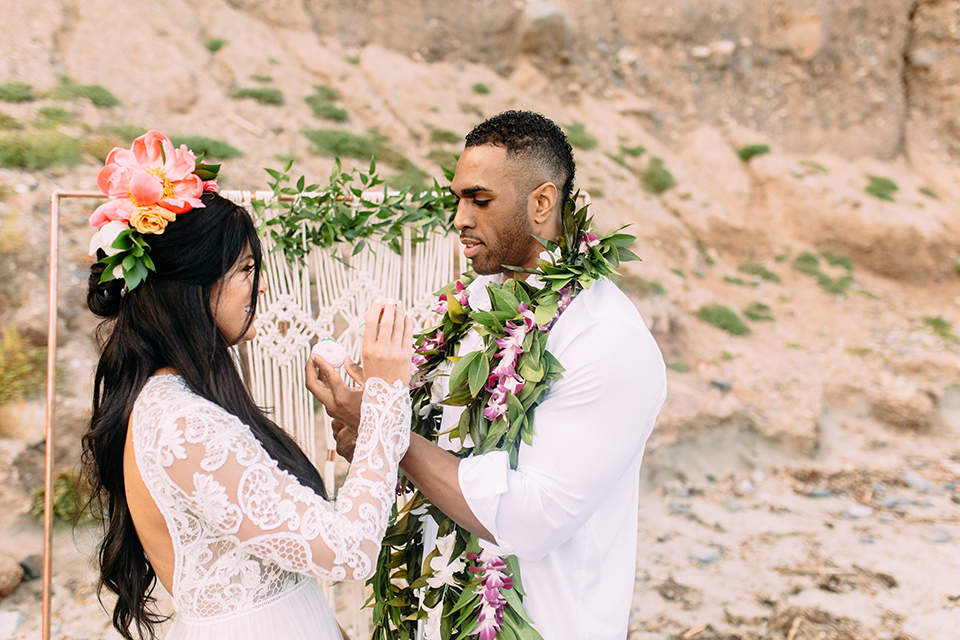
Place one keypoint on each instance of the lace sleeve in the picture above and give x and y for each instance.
(237, 491)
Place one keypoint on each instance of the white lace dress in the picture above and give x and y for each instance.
(248, 538)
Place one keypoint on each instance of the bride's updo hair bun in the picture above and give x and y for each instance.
(103, 299)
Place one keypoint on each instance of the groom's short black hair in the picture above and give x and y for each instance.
(535, 139)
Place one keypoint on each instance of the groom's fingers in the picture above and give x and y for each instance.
(340, 401)
(346, 439)
(318, 378)
(355, 371)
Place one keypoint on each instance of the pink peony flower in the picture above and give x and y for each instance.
(331, 351)
(151, 174)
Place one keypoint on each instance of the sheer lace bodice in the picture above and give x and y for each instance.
(244, 531)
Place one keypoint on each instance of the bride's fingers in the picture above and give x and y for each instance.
(399, 323)
(385, 326)
(370, 321)
(407, 339)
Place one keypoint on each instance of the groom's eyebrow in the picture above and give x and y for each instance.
(469, 191)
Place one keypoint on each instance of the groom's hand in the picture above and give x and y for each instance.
(341, 402)
(346, 438)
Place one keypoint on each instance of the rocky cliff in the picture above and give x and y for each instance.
(800, 160)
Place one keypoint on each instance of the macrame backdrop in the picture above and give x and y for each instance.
(327, 297)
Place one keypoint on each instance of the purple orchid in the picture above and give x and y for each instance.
(462, 296)
(588, 241)
(492, 602)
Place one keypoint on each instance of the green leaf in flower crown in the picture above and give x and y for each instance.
(107, 274)
(134, 274)
(210, 171)
(124, 241)
(626, 255)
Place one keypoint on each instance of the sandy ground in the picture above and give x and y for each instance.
(860, 542)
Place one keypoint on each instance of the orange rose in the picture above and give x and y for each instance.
(151, 219)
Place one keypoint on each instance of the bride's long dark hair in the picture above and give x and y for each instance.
(167, 321)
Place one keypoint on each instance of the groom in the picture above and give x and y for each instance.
(569, 511)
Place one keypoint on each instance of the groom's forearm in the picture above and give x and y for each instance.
(433, 470)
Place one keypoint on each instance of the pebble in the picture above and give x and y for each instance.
(676, 489)
(679, 508)
(916, 482)
(10, 622)
(32, 567)
(731, 504)
(700, 53)
(745, 487)
(866, 539)
(820, 492)
(705, 555)
(886, 520)
(892, 503)
(723, 385)
(955, 496)
(938, 535)
(858, 511)
(11, 575)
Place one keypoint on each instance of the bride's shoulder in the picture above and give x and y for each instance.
(169, 396)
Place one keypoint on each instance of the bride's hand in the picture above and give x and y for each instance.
(387, 342)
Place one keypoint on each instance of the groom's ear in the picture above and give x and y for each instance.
(545, 202)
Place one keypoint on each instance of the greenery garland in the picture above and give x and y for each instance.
(458, 589)
(341, 212)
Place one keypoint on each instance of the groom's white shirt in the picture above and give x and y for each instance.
(569, 511)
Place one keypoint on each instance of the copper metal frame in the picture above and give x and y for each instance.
(51, 397)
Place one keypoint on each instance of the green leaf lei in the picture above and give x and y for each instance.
(499, 387)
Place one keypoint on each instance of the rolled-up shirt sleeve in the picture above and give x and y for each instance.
(590, 429)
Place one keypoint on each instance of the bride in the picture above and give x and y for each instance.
(199, 489)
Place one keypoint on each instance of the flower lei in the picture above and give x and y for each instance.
(148, 186)
(459, 589)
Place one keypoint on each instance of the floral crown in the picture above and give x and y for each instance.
(149, 185)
